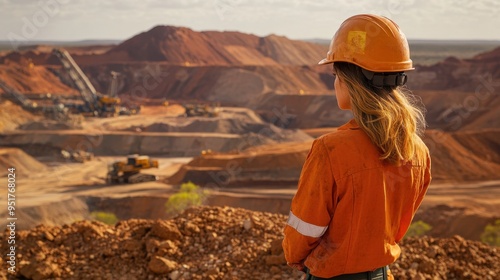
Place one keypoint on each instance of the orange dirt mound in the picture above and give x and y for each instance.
(493, 55)
(268, 164)
(180, 45)
(212, 243)
(237, 85)
(464, 156)
(479, 73)
(12, 115)
(27, 77)
(22, 162)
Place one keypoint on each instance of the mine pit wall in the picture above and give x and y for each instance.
(148, 207)
(255, 203)
(79, 208)
(140, 207)
(137, 207)
(228, 177)
(117, 144)
(55, 213)
(446, 220)
(300, 111)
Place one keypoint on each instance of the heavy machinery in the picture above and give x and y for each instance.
(126, 110)
(121, 172)
(77, 156)
(96, 104)
(17, 97)
(113, 87)
(201, 110)
(56, 111)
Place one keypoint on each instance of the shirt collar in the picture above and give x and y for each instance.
(352, 124)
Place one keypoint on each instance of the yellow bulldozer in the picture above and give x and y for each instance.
(129, 172)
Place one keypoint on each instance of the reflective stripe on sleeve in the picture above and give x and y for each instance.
(305, 228)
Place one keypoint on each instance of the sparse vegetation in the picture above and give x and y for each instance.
(491, 234)
(188, 195)
(418, 228)
(105, 217)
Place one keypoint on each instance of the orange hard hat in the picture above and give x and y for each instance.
(372, 42)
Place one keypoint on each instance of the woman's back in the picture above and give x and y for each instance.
(361, 185)
(373, 201)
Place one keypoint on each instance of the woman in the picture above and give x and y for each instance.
(362, 184)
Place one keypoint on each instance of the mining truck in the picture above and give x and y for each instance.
(129, 172)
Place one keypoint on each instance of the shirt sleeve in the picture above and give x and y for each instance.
(312, 205)
(408, 217)
(425, 185)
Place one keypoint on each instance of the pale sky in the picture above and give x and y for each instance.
(70, 20)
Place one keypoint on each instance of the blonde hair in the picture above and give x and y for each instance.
(388, 115)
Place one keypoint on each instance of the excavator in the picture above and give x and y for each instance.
(128, 172)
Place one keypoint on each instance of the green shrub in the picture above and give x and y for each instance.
(105, 217)
(188, 195)
(418, 228)
(491, 234)
(189, 187)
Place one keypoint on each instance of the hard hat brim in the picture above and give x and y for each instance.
(325, 61)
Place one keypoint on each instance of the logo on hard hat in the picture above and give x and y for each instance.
(356, 41)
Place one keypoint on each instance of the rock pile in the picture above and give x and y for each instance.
(211, 243)
(201, 243)
(446, 258)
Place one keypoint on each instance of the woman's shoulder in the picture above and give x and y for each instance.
(346, 132)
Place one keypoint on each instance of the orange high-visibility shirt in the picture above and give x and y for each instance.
(351, 208)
